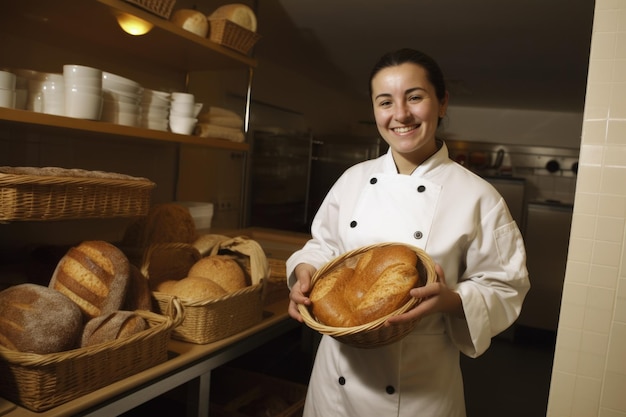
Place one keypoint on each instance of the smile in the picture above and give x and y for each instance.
(404, 129)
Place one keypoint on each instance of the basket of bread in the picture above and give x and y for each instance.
(234, 26)
(92, 325)
(353, 295)
(218, 279)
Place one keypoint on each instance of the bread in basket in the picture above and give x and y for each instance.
(373, 333)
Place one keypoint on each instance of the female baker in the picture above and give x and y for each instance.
(417, 195)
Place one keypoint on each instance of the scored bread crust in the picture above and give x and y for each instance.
(379, 285)
(95, 275)
(112, 326)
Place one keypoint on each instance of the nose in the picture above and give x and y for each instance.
(402, 113)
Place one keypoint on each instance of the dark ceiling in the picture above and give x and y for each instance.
(520, 54)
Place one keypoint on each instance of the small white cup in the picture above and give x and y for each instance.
(182, 97)
(7, 80)
(7, 98)
(182, 125)
(183, 109)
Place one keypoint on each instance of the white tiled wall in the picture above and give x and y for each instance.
(589, 374)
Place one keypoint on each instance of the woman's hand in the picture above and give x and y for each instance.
(436, 298)
(300, 289)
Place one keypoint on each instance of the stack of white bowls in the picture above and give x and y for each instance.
(83, 92)
(7, 89)
(155, 109)
(46, 93)
(122, 100)
(183, 113)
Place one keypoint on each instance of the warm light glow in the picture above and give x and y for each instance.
(132, 24)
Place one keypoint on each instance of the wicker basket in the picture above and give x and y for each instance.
(231, 35)
(40, 382)
(162, 8)
(375, 333)
(27, 197)
(275, 287)
(207, 321)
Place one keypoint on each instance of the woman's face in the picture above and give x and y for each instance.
(407, 111)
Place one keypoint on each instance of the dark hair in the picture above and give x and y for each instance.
(407, 55)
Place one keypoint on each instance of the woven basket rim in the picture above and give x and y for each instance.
(26, 179)
(340, 332)
(207, 302)
(162, 323)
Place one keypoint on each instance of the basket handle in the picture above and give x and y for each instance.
(175, 310)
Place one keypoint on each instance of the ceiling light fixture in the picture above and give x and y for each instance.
(132, 24)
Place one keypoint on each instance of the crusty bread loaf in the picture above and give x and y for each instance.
(165, 223)
(166, 262)
(95, 276)
(194, 289)
(327, 298)
(112, 326)
(38, 319)
(138, 293)
(378, 285)
(238, 13)
(221, 269)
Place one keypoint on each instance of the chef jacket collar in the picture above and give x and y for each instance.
(428, 167)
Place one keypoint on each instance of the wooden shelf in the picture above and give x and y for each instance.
(29, 118)
(88, 24)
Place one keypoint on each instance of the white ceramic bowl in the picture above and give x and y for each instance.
(182, 97)
(21, 97)
(121, 87)
(153, 113)
(81, 71)
(83, 105)
(82, 89)
(121, 106)
(161, 124)
(7, 98)
(7, 80)
(122, 97)
(182, 125)
(183, 109)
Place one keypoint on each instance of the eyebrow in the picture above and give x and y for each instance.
(409, 91)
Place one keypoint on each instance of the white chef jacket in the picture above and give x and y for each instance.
(462, 222)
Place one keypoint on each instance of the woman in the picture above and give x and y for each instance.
(417, 195)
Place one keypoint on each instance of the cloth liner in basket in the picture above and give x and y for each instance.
(375, 333)
(208, 321)
(43, 381)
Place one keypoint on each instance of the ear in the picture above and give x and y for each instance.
(443, 106)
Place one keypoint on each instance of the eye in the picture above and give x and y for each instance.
(384, 103)
(415, 98)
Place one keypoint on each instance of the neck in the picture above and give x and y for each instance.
(407, 163)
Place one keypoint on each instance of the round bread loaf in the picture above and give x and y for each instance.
(221, 269)
(113, 326)
(95, 276)
(38, 319)
(378, 285)
(238, 13)
(194, 289)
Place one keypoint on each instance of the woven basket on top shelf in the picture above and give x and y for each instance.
(375, 333)
(207, 321)
(231, 35)
(37, 194)
(43, 381)
(162, 8)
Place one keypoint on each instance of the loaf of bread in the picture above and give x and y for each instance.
(112, 326)
(95, 275)
(237, 13)
(165, 223)
(38, 319)
(221, 269)
(378, 285)
(193, 289)
(138, 293)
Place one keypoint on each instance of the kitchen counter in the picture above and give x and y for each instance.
(188, 363)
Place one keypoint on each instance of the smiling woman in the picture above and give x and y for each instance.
(412, 195)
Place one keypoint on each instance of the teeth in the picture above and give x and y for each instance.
(403, 129)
